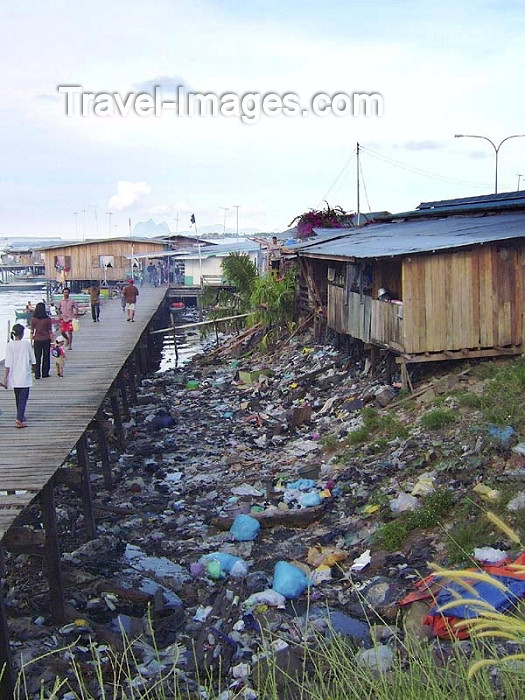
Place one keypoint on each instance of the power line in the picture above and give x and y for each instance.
(364, 186)
(420, 171)
(345, 166)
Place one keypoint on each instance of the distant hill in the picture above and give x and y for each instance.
(150, 228)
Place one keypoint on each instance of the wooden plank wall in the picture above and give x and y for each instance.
(386, 323)
(83, 256)
(466, 299)
(352, 318)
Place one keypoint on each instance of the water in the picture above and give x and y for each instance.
(11, 299)
(188, 341)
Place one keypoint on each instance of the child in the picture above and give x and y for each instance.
(59, 354)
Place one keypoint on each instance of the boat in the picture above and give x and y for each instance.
(177, 307)
(23, 315)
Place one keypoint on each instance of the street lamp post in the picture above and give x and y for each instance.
(519, 178)
(226, 210)
(496, 149)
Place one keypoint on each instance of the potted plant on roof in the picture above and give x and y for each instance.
(329, 217)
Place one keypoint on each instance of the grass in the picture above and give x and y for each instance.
(376, 427)
(433, 510)
(438, 418)
(313, 666)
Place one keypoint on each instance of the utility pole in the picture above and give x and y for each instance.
(358, 193)
(226, 209)
(236, 207)
(110, 214)
(519, 178)
(76, 218)
(177, 219)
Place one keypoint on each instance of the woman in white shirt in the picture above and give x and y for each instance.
(19, 359)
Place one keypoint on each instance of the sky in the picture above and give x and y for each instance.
(440, 68)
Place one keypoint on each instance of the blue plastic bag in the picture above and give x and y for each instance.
(245, 528)
(310, 499)
(226, 562)
(288, 580)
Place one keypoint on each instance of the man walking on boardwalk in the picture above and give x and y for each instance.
(67, 310)
(130, 294)
(94, 294)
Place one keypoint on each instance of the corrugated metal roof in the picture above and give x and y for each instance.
(404, 238)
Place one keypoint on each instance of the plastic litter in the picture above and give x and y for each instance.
(424, 485)
(301, 484)
(289, 580)
(266, 597)
(403, 503)
(378, 658)
(517, 503)
(489, 555)
(218, 564)
(502, 436)
(245, 528)
(362, 560)
(486, 492)
(310, 499)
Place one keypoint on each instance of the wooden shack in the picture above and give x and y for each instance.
(105, 260)
(452, 284)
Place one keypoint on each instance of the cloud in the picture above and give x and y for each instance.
(166, 83)
(128, 193)
(422, 145)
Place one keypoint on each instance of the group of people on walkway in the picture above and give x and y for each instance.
(28, 357)
(25, 357)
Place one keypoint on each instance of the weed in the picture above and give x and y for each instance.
(392, 535)
(438, 418)
(357, 437)
(435, 507)
(329, 442)
(467, 399)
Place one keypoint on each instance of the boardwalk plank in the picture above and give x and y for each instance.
(60, 409)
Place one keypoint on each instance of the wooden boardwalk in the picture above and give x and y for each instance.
(60, 409)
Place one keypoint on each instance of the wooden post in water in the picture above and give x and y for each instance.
(115, 409)
(85, 486)
(52, 551)
(175, 341)
(104, 455)
(7, 676)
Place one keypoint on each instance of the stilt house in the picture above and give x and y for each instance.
(444, 281)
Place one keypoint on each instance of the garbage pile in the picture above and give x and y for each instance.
(235, 530)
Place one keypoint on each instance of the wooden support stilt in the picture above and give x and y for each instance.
(406, 382)
(131, 380)
(85, 487)
(104, 456)
(175, 346)
(374, 357)
(7, 675)
(52, 552)
(115, 409)
(123, 396)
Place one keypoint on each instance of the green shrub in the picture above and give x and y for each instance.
(438, 418)
(392, 535)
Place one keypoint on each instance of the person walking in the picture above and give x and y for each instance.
(41, 329)
(130, 294)
(67, 310)
(94, 295)
(19, 359)
(59, 354)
